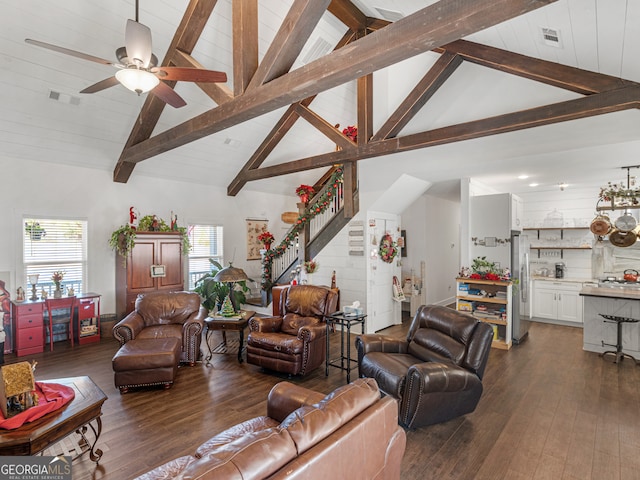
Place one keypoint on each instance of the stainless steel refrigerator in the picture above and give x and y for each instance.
(521, 312)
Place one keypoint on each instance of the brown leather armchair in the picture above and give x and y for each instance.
(294, 341)
(166, 315)
(436, 373)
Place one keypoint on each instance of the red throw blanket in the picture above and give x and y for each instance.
(51, 397)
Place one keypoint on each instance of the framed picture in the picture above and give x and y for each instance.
(158, 271)
(402, 242)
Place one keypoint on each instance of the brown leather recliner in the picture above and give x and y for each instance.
(293, 342)
(436, 373)
(166, 315)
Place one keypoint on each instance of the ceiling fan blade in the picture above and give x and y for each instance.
(67, 51)
(168, 95)
(137, 40)
(101, 85)
(189, 74)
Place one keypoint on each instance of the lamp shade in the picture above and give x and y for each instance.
(139, 81)
(230, 274)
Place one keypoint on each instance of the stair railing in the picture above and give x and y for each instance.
(318, 222)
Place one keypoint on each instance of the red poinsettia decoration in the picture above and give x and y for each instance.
(351, 132)
(305, 192)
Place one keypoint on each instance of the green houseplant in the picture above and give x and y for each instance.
(213, 292)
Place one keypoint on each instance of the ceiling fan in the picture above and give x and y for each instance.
(137, 66)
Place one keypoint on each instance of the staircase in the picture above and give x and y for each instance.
(318, 232)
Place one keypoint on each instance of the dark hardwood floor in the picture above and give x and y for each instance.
(549, 411)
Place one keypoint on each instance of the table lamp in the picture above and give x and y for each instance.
(231, 275)
(33, 280)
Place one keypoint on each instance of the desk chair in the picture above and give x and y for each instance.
(68, 304)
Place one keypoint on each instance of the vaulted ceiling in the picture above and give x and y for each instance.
(498, 103)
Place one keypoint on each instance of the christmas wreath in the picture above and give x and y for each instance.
(388, 248)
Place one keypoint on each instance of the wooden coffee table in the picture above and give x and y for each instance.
(223, 323)
(79, 415)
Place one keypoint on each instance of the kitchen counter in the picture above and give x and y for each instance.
(599, 334)
(566, 279)
(611, 292)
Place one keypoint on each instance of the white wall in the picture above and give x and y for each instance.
(40, 189)
(433, 230)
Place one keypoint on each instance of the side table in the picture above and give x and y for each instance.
(237, 323)
(344, 361)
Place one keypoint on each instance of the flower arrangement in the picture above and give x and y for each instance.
(311, 266)
(388, 248)
(305, 192)
(619, 191)
(351, 132)
(266, 238)
(57, 277)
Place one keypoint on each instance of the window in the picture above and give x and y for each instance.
(206, 243)
(51, 245)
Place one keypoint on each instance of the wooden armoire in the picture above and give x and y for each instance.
(154, 264)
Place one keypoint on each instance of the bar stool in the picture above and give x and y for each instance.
(66, 303)
(620, 355)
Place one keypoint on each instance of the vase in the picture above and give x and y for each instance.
(57, 293)
(267, 245)
(304, 198)
(309, 278)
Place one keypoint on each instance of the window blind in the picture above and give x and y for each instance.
(206, 243)
(51, 245)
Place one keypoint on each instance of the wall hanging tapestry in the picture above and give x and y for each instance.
(254, 229)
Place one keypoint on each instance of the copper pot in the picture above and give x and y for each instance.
(623, 239)
(631, 275)
(601, 225)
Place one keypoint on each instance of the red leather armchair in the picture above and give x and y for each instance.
(294, 341)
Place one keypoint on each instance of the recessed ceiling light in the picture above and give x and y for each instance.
(523, 177)
(533, 184)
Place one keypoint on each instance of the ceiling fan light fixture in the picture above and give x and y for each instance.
(136, 80)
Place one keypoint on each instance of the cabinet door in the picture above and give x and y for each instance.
(139, 271)
(569, 306)
(169, 255)
(545, 304)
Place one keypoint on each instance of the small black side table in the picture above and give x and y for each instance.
(345, 360)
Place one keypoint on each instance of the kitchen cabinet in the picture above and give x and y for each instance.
(155, 263)
(489, 301)
(557, 301)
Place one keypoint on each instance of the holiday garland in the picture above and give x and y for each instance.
(311, 210)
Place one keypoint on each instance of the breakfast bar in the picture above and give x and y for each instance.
(601, 305)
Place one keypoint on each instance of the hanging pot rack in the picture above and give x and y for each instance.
(633, 199)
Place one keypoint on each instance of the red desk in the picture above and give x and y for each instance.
(28, 328)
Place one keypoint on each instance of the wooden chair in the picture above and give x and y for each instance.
(66, 303)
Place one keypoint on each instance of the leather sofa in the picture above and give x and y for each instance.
(166, 315)
(294, 341)
(350, 433)
(436, 372)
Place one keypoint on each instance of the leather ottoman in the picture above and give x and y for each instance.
(144, 362)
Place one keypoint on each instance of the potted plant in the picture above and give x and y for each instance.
(305, 192)
(34, 230)
(213, 293)
(266, 238)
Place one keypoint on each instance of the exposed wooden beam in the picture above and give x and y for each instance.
(187, 34)
(324, 127)
(350, 185)
(423, 91)
(294, 32)
(218, 92)
(588, 106)
(349, 14)
(563, 76)
(245, 43)
(426, 29)
(364, 104)
(277, 132)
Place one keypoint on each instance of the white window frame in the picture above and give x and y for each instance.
(36, 258)
(200, 254)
